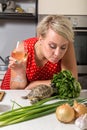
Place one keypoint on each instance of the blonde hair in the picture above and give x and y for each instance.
(58, 23)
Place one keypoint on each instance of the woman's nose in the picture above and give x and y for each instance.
(57, 52)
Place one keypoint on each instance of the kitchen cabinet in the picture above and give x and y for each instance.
(66, 7)
(24, 9)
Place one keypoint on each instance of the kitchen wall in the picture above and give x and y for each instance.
(67, 7)
(13, 31)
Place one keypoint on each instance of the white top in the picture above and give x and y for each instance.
(48, 122)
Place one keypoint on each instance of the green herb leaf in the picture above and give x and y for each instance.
(67, 86)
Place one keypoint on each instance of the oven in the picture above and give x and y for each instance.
(80, 45)
(80, 42)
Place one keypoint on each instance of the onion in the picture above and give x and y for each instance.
(79, 108)
(65, 113)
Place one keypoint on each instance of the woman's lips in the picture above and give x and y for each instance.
(55, 60)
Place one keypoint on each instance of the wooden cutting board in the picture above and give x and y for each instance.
(2, 93)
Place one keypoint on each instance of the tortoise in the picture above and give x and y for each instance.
(39, 92)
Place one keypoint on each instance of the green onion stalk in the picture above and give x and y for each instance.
(39, 109)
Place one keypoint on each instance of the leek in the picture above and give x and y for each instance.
(39, 109)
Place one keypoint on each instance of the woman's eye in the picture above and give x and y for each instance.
(63, 47)
(52, 46)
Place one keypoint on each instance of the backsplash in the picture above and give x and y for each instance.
(13, 31)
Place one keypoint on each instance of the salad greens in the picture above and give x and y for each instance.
(67, 86)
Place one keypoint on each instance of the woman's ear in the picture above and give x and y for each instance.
(40, 38)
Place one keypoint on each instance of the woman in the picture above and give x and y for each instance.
(49, 53)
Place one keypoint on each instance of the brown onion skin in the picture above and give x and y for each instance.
(79, 108)
(65, 113)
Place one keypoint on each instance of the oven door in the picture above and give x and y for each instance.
(80, 44)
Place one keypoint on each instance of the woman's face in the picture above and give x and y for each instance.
(53, 46)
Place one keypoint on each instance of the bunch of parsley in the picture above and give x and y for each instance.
(67, 86)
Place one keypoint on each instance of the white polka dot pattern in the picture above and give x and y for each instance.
(35, 72)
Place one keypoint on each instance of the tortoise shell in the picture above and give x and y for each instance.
(39, 92)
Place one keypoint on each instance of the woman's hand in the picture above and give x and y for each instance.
(17, 65)
(18, 73)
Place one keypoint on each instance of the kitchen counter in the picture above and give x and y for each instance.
(48, 122)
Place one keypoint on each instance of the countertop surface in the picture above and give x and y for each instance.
(48, 122)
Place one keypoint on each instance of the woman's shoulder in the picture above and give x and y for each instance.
(29, 44)
(32, 40)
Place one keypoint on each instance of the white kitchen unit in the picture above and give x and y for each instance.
(66, 7)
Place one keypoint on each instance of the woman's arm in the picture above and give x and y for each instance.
(35, 83)
(18, 80)
(18, 71)
(69, 61)
(18, 75)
